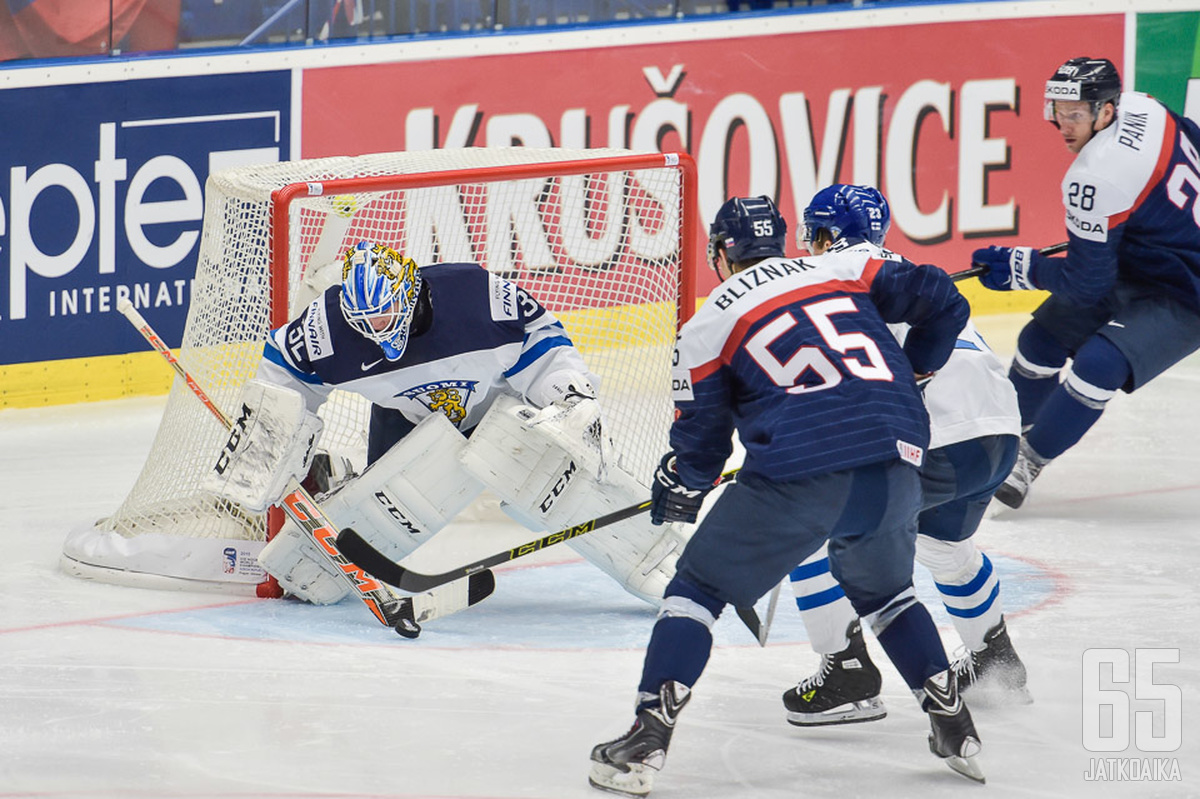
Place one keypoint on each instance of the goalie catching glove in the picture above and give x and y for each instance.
(670, 499)
(272, 439)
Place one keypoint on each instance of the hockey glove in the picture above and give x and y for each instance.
(1008, 268)
(566, 387)
(670, 499)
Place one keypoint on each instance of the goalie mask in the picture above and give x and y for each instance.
(380, 288)
(1091, 80)
(846, 211)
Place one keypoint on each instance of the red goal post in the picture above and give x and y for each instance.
(605, 239)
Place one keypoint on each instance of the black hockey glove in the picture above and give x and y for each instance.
(671, 500)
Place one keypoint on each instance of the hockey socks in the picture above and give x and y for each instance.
(1099, 370)
(967, 583)
(681, 640)
(823, 606)
(1035, 370)
(912, 644)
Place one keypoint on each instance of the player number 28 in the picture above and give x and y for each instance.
(813, 358)
(1182, 174)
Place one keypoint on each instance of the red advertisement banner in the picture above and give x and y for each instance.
(945, 118)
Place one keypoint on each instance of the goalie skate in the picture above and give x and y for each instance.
(626, 765)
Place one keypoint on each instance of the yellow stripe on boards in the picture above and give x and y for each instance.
(105, 377)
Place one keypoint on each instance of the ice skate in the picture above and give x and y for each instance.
(1015, 488)
(843, 691)
(952, 735)
(995, 673)
(626, 765)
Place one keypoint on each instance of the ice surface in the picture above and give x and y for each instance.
(108, 691)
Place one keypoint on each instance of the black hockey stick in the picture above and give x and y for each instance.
(400, 613)
(383, 568)
(979, 269)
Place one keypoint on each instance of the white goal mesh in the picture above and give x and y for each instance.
(603, 238)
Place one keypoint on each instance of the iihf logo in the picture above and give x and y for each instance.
(230, 560)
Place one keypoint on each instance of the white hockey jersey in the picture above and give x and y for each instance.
(488, 337)
(1131, 209)
(971, 396)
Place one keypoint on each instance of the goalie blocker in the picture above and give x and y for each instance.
(547, 466)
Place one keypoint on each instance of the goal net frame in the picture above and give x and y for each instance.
(168, 535)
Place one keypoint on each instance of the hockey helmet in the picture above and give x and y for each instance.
(846, 211)
(380, 288)
(745, 228)
(1091, 80)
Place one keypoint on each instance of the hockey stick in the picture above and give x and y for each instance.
(979, 269)
(386, 570)
(399, 613)
(771, 604)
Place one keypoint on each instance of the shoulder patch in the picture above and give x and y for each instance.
(1090, 228)
(316, 331)
(503, 299)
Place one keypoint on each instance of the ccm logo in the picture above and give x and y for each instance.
(560, 485)
(235, 438)
(386, 503)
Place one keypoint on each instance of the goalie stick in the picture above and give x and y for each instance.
(979, 269)
(403, 614)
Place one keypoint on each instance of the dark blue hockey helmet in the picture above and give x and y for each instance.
(846, 211)
(1091, 80)
(746, 228)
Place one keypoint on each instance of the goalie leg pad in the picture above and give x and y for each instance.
(542, 463)
(292, 558)
(410, 493)
(551, 470)
(637, 554)
(272, 439)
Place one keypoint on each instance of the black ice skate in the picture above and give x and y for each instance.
(624, 765)
(843, 691)
(952, 735)
(994, 674)
(1015, 488)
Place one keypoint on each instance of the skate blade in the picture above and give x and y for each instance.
(634, 780)
(866, 710)
(968, 767)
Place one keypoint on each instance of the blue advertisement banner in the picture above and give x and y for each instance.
(102, 197)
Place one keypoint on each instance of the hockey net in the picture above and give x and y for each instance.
(604, 239)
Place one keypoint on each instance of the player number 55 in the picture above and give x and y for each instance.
(813, 358)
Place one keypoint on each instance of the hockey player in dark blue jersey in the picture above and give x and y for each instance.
(975, 427)
(472, 384)
(1125, 301)
(795, 355)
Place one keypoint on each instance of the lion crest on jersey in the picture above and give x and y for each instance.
(449, 397)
